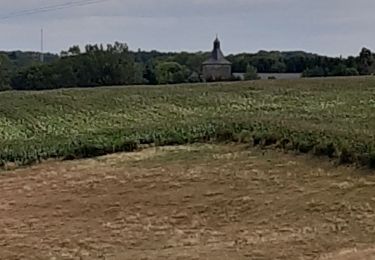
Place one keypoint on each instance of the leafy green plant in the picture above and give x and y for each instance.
(330, 117)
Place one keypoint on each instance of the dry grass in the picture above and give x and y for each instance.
(189, 202)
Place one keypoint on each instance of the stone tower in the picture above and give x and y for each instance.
(217, 68)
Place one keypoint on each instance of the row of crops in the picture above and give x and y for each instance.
(326, 117)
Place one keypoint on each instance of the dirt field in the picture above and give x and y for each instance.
(197, 202)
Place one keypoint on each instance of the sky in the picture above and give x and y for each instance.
(328, 27)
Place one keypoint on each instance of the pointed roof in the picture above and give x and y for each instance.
(217, 56)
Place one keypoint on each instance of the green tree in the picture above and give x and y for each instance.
(74, 50)
(5, 67)
(317, 71)
(343, 70)
(351, 72)
(171, 73)
(251, 73)
(366, 62)
(149, 73)
(97, 66)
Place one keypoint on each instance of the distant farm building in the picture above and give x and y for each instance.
(217, 68)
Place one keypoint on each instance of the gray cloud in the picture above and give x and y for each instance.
(330, 27)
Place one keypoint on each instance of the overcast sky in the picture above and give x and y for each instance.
(331, 27)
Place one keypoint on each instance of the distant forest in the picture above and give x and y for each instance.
(115, 64)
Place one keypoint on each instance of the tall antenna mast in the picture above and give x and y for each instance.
(42, 46)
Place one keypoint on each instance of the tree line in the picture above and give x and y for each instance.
(115, 64)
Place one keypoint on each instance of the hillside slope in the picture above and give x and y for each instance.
(333, 117)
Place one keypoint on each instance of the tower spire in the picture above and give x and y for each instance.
(217, 44)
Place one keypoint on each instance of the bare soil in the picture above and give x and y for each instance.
(188, 202)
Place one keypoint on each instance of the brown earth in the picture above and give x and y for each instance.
(197, 202)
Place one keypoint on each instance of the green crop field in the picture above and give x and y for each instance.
(330, 117)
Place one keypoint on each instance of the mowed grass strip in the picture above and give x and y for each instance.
(333, 117)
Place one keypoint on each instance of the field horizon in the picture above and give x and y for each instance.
(331, 117)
